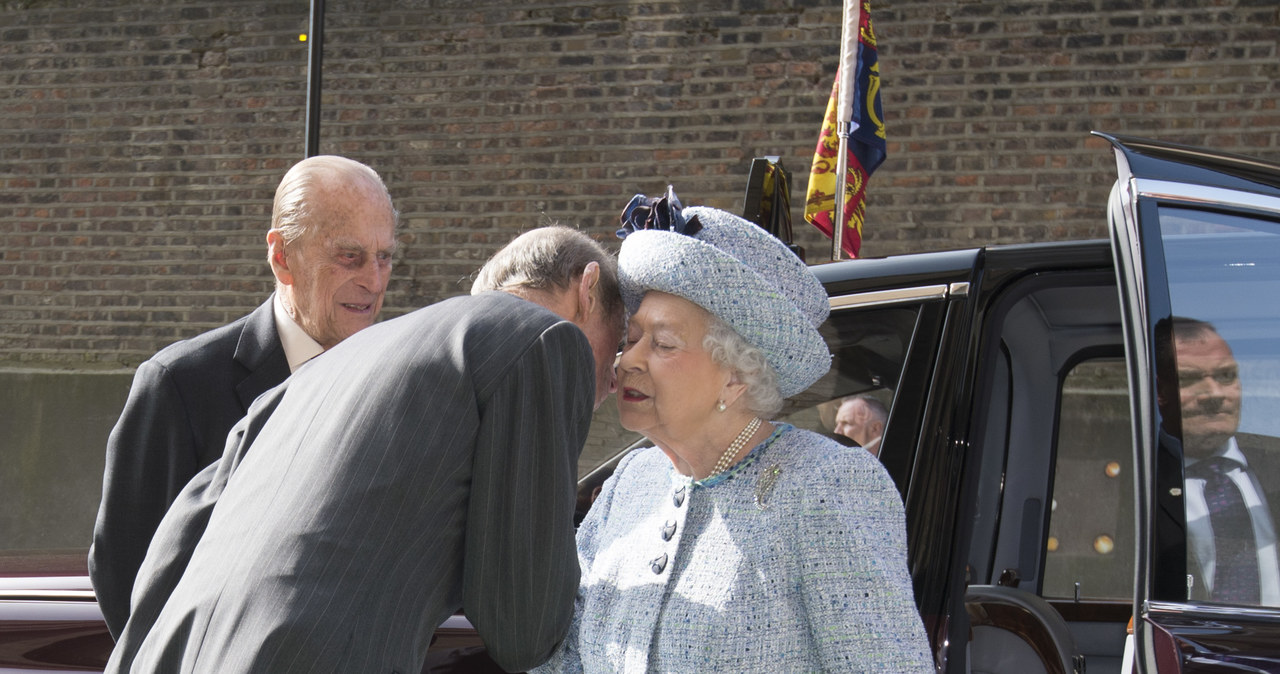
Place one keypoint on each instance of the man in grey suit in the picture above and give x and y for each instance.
(424, 465)
(330, 245)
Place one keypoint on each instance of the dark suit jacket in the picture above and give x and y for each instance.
(423, 465)
(182, 403)
(1263, 454)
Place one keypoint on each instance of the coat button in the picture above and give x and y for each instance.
(659, 563)
(678, 497)
(668, 530)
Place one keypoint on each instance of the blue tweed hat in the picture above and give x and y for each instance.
(736, 271)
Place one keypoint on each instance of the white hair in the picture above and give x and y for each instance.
(294, 201)
(748, 364)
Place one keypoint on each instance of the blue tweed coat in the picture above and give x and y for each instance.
(792, 561)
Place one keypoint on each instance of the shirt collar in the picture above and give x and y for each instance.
(298, 345)
(1229, 450)
(1232, 451)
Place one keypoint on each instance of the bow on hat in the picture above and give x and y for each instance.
(735, 270)
(662, 213)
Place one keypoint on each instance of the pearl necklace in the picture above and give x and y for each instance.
(726, 459)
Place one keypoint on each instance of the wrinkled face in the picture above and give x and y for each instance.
(668, 385)
(852, 421)
(341, 265)
(1209, 387)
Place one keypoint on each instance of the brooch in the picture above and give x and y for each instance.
(768, 478)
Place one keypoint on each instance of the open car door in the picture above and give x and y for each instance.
(1196, 239)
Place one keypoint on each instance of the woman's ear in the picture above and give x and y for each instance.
(733, 389)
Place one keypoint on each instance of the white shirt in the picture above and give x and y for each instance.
(1200, 531)
(298, 345)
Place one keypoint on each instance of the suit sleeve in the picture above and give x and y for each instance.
(150, 446)
(567, 659)
(179, 532)
(521, 570)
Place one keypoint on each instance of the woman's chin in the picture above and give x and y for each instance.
(628, 424)
(632, 419)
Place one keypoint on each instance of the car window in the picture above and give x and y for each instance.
(869, 348)
(1041, 328)
(1224, 373)
(1089, 550)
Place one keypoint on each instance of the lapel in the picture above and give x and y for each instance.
(1264, 460)
(261, 354)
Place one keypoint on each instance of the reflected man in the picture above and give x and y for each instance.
(862, 419)
(1231, 536)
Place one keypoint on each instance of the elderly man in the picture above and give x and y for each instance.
(424, 465)
(330, 246)
(862, 420)
(1231, 482)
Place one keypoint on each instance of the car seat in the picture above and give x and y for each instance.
(1015, 631)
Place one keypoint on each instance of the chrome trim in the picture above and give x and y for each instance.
(960, 289)
(46, 588)
(895, 296)
(1263, 612)
(1205, 196)
(45, 583)
(47, 595)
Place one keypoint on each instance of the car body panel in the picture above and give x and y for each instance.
(51, 624)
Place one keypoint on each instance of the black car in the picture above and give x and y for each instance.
(1036, 432)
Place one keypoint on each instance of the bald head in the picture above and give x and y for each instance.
(304, 189)
(862, 419)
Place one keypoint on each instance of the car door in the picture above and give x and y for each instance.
(1040, 418)
(1196, 237)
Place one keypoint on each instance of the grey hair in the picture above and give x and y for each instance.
(747, 362)
(294, 203)
(550, 258)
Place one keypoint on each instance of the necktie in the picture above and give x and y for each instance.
(1235, 576)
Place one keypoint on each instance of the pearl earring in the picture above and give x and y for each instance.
(721, 406)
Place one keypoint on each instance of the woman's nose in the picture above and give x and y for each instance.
(628, 359)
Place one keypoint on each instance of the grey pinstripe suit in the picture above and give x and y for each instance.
(425, 464)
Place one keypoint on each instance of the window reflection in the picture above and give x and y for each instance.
(1218, 367)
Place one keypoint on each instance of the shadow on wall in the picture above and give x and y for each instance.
(53, 430)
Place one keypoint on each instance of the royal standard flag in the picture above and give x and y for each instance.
(866, 148)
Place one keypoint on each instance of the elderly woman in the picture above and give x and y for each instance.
(734, 544)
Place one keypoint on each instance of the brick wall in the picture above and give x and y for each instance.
(140, 143)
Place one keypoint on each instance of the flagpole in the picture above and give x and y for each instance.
(837, 219)
(844, 116)
(315, 55)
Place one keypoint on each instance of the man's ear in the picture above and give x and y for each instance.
(586, 296)
(276, 256)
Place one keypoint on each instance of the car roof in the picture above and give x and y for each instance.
(1158, 160)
